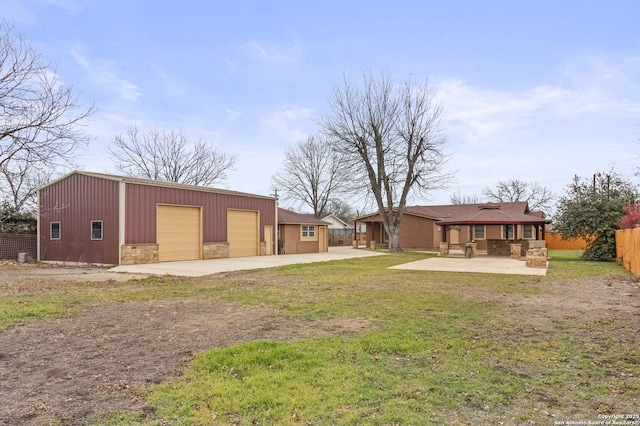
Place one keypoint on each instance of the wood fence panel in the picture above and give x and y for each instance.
(555, 242)
(628, 249)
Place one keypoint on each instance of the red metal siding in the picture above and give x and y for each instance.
(141, 202)
(74, 202)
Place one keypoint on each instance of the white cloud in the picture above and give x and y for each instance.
(587, 120)
(482, 115)
(273, 52)
(103, 73)
(71, 6)
(291, 124)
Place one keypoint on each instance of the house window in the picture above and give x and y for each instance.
(507, 232)
(96, 229)
(478, 233)
(308, 231)
(55, 230)
(527, 231)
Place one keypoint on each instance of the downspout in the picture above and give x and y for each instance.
(122, 186)
(38, 226)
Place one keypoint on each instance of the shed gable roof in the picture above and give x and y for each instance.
(288, 217)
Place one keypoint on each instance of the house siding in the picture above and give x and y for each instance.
(290, 238)
(141, 202)
(415, 232)
(74, 202)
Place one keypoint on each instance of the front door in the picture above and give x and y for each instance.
(454, 236)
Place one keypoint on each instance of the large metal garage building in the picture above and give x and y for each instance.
(105, 219)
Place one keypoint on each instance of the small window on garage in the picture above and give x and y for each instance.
(96, 229)
(55, 230)
(308, 231)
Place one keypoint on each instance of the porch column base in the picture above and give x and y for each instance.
(516, 251)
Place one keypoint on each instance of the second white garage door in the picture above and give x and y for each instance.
(243, 233)
(178, 233)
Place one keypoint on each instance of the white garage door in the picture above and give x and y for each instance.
(178, 233)
(243, 233)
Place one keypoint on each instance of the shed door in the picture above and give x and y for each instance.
(243, 233)
(178, 233)
(322, 238)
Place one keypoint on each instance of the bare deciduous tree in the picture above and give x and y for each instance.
(41, 117)
(512, 190)
(342, 210)
(20, 181)
(393, 140)
(457, 198)
(169, 156)
(311, 174)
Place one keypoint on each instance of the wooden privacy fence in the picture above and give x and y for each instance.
(555, 242)
(628, 249)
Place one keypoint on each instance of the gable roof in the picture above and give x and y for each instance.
(493, 213)
(335, 218)
(149, 182)
(287, 217)
(470, 214)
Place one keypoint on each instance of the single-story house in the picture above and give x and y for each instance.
(105, 219)
(425, 227)
(301, 233)
(340, 232)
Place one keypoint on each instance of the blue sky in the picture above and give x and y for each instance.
(538, 91)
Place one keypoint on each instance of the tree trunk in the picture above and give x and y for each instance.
(394, 240)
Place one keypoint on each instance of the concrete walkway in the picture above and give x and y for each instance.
(479, 264)
(197, 268)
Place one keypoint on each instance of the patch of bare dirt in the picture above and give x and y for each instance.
(73, 369)
(14, 274)
(584, 300)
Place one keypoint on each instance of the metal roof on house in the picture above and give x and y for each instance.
(469, 214)
(289, 217)
(149, 182)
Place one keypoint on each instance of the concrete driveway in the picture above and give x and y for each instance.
(197, 268)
